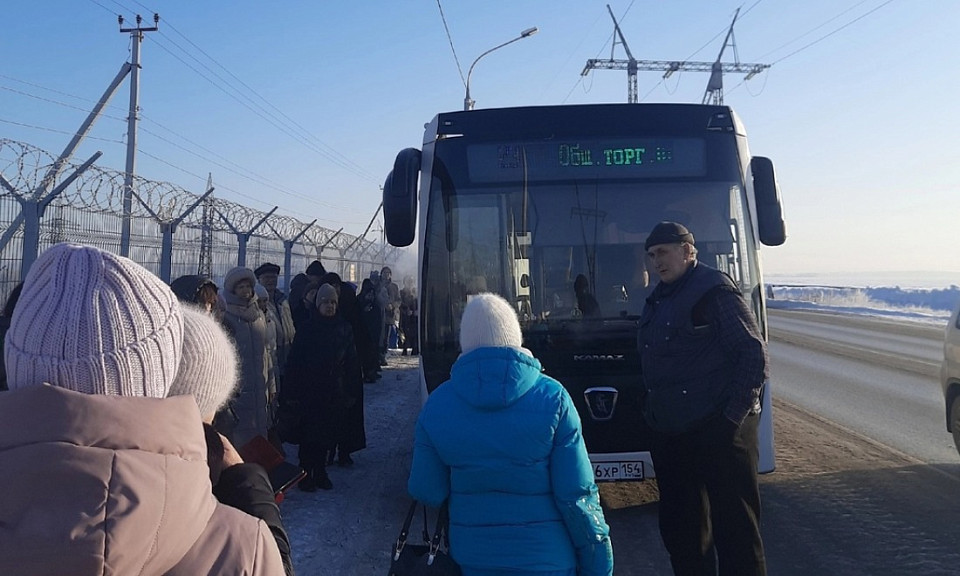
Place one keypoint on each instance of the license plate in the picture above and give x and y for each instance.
(617, 471)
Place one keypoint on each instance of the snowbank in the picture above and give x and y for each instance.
(928, 305)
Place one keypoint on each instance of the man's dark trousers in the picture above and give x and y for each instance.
(700, 473)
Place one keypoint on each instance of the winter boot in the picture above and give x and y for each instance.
(322, 480)
(309, 483)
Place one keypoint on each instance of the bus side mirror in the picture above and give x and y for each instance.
(400, 198)
(772, 228)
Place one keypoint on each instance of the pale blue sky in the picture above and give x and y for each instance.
(862, 126)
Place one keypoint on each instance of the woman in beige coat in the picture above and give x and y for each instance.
(103, 474)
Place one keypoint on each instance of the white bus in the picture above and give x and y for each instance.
(542, 204)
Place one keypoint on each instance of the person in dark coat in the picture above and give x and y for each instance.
(316, 271)
(409, 318)
(199, 290)
(586, 302)
(354, 435)
(5, 325)
(322, 362)
(300, 307)
(703, 361)
(372, 315)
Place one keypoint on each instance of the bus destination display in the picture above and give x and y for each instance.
(578, 159)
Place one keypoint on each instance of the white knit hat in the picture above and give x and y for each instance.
(94, 322)
(208, 369)
(489, 320)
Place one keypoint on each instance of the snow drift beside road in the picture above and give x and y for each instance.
(932, 305)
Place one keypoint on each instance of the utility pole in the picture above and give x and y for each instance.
(714, 92)
(136, 38)
(205, 263)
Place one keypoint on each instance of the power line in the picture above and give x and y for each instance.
(57, 102)
(56, 131)
(452, 49)
(48, 89)
(825, 36)
(256, 178)
(257, 113)
(602, 48)
(220, 186)
(306, 132)
(326, 150)
(318, 145)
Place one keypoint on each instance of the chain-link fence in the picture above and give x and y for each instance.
(173, 232)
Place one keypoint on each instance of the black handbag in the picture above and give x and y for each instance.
(432, 557)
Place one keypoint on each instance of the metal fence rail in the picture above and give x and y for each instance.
(173, 231)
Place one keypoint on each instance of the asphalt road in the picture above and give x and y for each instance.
(849, 496)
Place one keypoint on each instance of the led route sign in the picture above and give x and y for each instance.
(587, 158)
(575, 155)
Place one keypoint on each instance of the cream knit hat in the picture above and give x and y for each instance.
(489, 320)
(235, 275)
(208, 369)
(94, 322)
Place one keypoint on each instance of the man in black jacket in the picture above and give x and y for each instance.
(704, 363)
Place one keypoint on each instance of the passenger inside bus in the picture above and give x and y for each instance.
(586, 302)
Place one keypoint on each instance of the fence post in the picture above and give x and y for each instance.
(168, 229)
(32, 210)
(288, 251)
(244, 237)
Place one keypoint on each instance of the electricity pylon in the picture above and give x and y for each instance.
(714, 91)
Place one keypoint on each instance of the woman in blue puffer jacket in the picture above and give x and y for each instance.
(502, 443)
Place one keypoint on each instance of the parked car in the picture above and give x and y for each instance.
(950, 376)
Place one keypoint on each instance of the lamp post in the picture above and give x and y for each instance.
(467, 101)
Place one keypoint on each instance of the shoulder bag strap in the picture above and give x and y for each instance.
(404, 531)
(440, 534)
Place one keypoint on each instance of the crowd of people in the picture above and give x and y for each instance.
(304, 356)
(129, 403)
(95, 337)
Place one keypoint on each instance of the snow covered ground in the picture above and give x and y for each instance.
(350, 530)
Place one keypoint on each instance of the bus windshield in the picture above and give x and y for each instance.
(572, 250)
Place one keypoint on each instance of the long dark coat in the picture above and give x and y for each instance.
(372, 315)
(354, 435)
(321, 364)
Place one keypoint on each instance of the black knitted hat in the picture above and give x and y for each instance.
(668, 233)
(266, 268)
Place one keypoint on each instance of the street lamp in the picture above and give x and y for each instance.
(467, 101)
